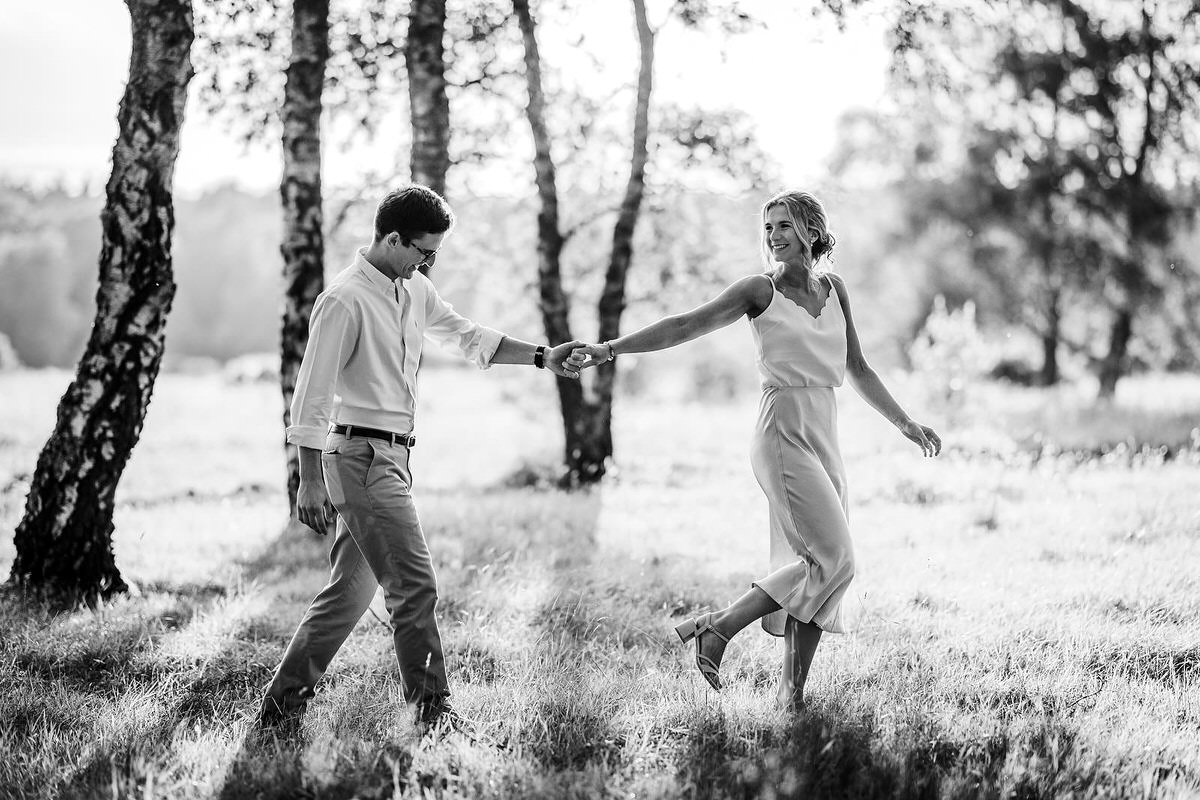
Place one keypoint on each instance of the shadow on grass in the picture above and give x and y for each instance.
(97, 654)
(828, 753)
(227, 682)
(820, 754)
(296, 547)
(71, 672)
(565, 734)
(569, 729)
(266, 766)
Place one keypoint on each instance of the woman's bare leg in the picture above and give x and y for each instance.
(753, 605)
(800, 640)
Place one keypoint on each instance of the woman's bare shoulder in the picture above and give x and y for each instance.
(756, 289)
(839, 283)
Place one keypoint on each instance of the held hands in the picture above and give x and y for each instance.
(930, 442)
(561, 360)
(313, 507)
(591, 355)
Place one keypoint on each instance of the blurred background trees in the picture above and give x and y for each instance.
(1059, 138)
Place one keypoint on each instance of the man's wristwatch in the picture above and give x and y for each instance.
(612, 354)
(539, 356)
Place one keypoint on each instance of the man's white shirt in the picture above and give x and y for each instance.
(364, 345)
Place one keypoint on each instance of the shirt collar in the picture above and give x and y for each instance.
(381, 281)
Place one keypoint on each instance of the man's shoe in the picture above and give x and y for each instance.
(437, 714)
(278, 713)
(430, 710)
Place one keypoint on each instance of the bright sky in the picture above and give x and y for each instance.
(63, 67)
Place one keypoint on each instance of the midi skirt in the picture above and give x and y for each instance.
(798, 464)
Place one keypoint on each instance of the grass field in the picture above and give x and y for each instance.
(1026, 610)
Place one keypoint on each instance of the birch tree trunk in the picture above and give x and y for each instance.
(597, 445)
(552, 300)
(425, 62)
(64, 541)
(303, 246)
(587, 422)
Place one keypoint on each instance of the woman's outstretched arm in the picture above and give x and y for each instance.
(870, 386)
(749, 295)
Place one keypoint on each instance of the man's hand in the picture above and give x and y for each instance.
(313, 507)
(590, 355)
(562, 362)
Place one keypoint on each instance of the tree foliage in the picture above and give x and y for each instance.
(1063, 142)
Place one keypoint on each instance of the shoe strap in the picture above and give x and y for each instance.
(706, 627)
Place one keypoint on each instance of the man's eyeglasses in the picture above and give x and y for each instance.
(424, 252)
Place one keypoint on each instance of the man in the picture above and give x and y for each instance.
(352, 418)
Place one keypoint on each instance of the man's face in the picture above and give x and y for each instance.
(410, 253)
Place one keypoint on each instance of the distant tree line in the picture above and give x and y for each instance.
(227, 266)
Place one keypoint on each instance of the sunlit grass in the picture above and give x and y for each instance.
(1024, 627)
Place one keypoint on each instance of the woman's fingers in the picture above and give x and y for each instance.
(926, 438)
(937, 441)
(918, 436)
(588, 355)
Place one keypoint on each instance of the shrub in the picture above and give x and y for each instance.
(950, 353)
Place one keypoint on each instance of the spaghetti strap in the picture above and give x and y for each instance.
(767, 275)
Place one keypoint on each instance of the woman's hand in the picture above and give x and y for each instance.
(590, 355)
(930, 443)
(561, 360)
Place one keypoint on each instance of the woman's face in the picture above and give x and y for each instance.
(783, 240)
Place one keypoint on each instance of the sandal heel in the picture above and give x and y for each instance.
(686, 630)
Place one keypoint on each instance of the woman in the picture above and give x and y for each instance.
(806, 342)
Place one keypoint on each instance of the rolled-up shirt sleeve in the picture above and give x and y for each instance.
(449, 329)
(331, 337)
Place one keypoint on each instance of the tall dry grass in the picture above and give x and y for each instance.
(1025, 611)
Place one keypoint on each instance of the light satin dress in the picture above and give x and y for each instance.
(798, 464)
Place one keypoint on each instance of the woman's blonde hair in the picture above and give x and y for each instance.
(807, 216)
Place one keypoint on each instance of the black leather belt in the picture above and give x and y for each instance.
(350, 431)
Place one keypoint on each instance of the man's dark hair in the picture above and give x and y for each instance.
(412, 211)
